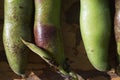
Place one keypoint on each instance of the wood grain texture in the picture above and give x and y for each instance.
(74, 50)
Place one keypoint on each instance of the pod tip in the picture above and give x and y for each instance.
(73, 76)
(70, 75)
(20, 74)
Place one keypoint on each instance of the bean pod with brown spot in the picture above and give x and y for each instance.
(17, 24)
(47, 28)
(117, 30)
(47, 33)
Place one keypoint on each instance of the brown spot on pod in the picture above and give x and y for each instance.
(117, 20)
(45, 35)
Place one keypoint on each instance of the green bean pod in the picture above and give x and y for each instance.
(117, 30)
(17, 24)
(47, 28)
(47, 34)
(95, 24)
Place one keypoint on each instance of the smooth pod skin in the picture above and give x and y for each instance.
(17, 24)
(117, 30)
(95, 24)
(47, 28)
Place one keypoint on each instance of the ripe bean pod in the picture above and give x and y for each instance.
(17, 24)
(95, 24)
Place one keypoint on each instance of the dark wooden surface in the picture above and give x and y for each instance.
(74, 50)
